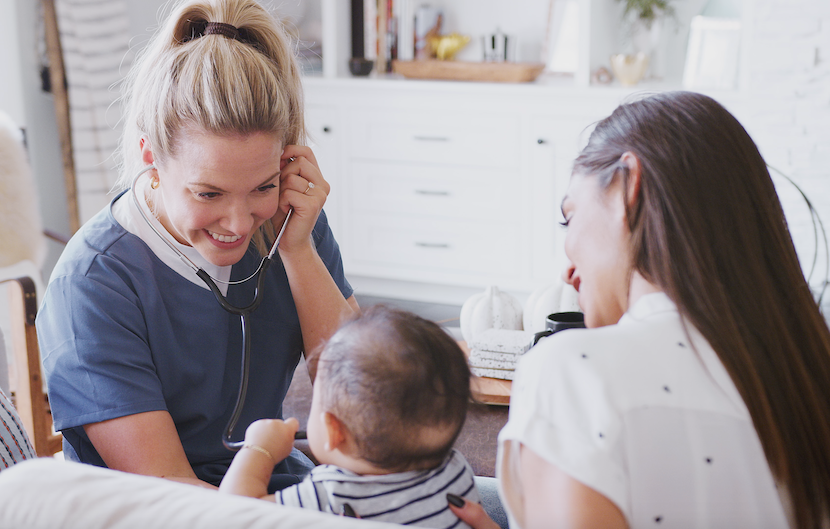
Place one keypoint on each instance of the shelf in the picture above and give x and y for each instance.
(497, 72)
(544, 84)
(601, 33)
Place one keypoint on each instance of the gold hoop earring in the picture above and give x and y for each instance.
(154, 183)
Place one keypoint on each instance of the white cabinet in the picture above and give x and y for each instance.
(324, 137)
(553, 142)
(441, 191)
(429, 192)
(547, 187)
(459, 137)
(450, 184)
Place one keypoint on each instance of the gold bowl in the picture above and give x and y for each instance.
(444, 47)
(629, 69)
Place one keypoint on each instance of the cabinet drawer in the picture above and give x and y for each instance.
(479, 139)
(418, 247)
(440, 191)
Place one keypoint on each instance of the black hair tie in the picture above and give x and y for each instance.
(202, 28)
(220, 28)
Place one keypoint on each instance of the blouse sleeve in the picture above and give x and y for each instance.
(560, 409)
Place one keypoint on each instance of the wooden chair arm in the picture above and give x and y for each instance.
(27, 381)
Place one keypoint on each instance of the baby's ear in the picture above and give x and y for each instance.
(336, 432)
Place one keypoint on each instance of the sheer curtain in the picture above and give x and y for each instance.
(95, 37)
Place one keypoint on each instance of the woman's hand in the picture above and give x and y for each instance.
(470, 513)
(303, 188)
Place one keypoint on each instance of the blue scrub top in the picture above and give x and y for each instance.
(122, 333)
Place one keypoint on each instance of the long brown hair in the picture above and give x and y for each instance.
(226, 86)
(708, 228)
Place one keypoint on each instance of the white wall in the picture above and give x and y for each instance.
(787, 109)
(11, 93)
(144, 17)
(23, 99)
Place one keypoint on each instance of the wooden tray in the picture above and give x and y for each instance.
(498, 72)
(489, 390)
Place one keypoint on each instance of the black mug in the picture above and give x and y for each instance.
(559, 321)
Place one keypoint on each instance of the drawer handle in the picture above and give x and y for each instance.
(430, 138)
(432, 245)
(432, 193)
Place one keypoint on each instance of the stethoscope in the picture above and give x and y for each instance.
(242, 312)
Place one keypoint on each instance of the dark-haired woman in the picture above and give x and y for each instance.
(699, 396)
(143, 364)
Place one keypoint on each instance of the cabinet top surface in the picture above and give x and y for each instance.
(545, 85)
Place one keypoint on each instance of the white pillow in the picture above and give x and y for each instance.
(50, 494)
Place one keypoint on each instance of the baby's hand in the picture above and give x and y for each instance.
(274, 435)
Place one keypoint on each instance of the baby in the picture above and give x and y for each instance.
(389, 400)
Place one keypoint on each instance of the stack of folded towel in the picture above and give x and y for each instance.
(495, 352)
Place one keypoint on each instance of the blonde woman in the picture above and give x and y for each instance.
(143, 364)
(699, 396)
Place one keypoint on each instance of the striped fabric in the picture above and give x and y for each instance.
(95, 36)
(417, 498)
(14, 443)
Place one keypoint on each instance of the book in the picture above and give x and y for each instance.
(370, 29)
(405, 15)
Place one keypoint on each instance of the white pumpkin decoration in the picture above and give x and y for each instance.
(558, 297)
(492, 309)
(569, 301)
(540, 303)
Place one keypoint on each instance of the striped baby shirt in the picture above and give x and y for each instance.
(14, 443)
(416, 497)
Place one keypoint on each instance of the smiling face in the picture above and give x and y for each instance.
(216, 191)
(598, 247)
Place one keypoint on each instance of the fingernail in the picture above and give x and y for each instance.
(347, 511)
(458, 501)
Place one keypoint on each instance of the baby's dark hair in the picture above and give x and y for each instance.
(401, 386)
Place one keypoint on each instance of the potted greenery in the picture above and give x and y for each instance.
(647, 11)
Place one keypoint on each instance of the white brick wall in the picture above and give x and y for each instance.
(788, 110)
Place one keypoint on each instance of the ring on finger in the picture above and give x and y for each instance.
(309, 188)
